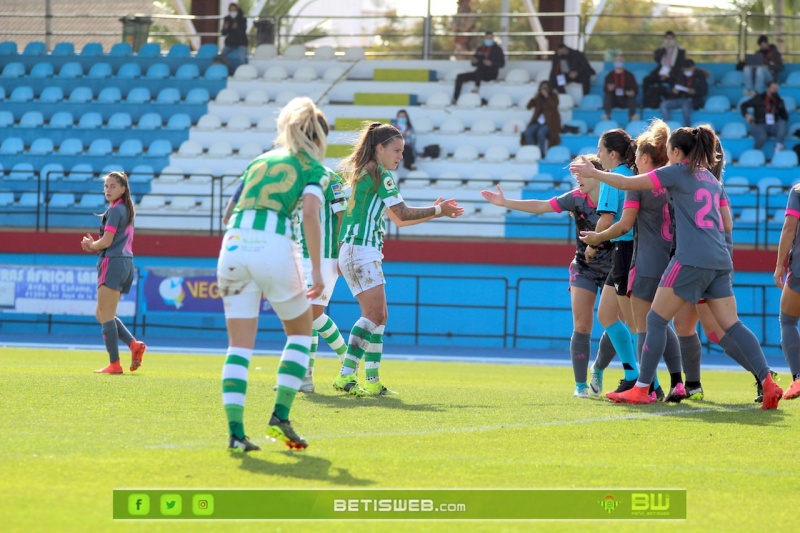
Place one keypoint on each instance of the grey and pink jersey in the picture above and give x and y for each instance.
(653, 233)
(696, 198)
(793, 210)
(116, 220)
(584, 211)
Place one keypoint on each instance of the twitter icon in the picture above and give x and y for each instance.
(171, 504)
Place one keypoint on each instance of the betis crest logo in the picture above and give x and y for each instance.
(609, 503)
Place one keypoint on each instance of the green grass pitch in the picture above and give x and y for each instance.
(69, 437)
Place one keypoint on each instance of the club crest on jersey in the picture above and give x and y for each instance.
(388, 182)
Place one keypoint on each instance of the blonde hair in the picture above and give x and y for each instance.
(300, 124)
(362, 160)
(653, 142)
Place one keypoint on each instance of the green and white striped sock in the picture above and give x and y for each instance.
(372, 359)
(312, 354)
(360, 337)
(291, 371)
(330, 332)
(234, 388)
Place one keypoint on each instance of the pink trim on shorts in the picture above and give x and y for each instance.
(713, 337)
(630, 204)
(112, 229)
(555, 206)
(793, 213)
(631, 277)
(101, 278)
(670, 280)
(655, 180)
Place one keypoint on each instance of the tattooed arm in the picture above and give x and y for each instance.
(405, 215)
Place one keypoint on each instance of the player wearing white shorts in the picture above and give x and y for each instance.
(259, 256)
(374, 193)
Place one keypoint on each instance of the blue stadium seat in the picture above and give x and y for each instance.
(71, 146)
(717, 104)
(604, 125)
(51, 94)
(784, 159)
(188, 71)
(92, 50)
(129, 71)
(206, 51)
(31, 119)
(198, 95)
(52, 172)
(580, 124)
(119, 121)
(41, 70)
(80, 95)
(138, 95)
(159, 148)
(6, 199)
(120, 50)
(179, 121)
(91, 201)
(22, 172)
(100, 147)
(130, 148)
(150, 50)
(81, 172)
(41, 146)
(63, 50)
(734, 130)
(169, 95)
(12, 146)
(99, 71)
(636, 127)
(732, 78)
(150, 121)
(793, 80)
(770, 185)
(752, 159)
(158, 71)
(61, 200)
(109, 95)
(179, 51)
(90, 120)
(789, 102)
(590, 102)
(35, 48)
(9, 48)
(142, 174)
(216, 72)
(13, 70)
(23, 93)
(6, 118)
(2, 93)
(62, 120)
(71, 70)
(557, 154)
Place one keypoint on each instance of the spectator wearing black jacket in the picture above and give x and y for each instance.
(688, 90)
(620, 90)
(234, 28)
(488, 60)
(669, 58)
(772, 65)
(570, 66)
(769, 117)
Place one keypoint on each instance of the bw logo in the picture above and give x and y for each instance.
(642, 501)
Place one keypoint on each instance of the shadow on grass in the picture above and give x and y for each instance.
(304, 466)
(382, 402)
(707, 411)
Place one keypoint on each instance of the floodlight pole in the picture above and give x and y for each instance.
(48, 23)
(426, 39)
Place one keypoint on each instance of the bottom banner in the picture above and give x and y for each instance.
(400, 504)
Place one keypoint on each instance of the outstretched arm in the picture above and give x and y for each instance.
(585, 169)
(537, 207)
(405, 215)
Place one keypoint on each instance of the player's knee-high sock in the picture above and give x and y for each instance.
(691, 350)
(312, 354)
(111, 340)
(740, 336)
(579, 349)
(330, 332)
(672, 357)
(790, 342)
(605, 353)
(639, 348)
(654, 343)
(372, 358)
(292, 369)
(234, 388)
(358, 343)
(122, 332)
(733, 351)
(620, 337)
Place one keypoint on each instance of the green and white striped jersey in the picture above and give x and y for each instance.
(334, 203)
(274, 182)
(363, 222)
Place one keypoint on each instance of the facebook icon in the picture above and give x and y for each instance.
(138, 504)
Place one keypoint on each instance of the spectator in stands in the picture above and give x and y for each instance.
(544, 129)
(488, 60)
(403, 124)
(570, 66)
(769, 117)
(688, 90)
(669, 58)
(234, 28)
(771, 65)
(620, 90)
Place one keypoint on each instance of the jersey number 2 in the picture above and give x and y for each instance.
(709, 202)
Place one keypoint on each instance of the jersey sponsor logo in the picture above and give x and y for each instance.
(337, 190)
